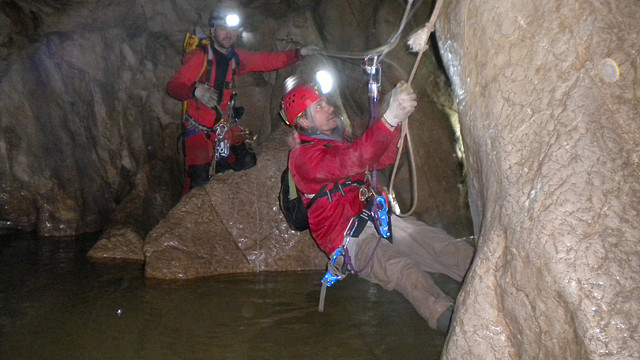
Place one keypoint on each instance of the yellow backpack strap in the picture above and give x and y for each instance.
(188, 44)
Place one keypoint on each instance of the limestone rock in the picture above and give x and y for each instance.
(119, 242)
(549, 109)
(154, 194)
(233, 224)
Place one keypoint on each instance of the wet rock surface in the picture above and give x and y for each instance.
(549, 126)
(233, 224)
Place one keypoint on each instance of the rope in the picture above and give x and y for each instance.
(419, 40)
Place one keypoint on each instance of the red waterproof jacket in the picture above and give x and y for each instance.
(182, 83)
(321, 162)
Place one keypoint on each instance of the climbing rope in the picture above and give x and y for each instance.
(419, 42)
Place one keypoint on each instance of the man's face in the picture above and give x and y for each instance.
(323, 116)
(224, 36)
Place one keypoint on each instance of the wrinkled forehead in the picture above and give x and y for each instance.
(320, 102)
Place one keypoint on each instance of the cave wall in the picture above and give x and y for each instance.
(549, 102)
(83, 111)
(84, 108)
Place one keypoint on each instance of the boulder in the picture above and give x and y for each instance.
(232, 225)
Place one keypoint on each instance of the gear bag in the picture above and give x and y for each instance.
(291, 203)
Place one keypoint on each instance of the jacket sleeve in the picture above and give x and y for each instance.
(181, 84)
(389, 156)
(265, 61)
(320, 164)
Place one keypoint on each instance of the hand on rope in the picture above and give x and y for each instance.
(402, 103)
(418, 42)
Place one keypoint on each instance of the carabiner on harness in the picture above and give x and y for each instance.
(222, 144)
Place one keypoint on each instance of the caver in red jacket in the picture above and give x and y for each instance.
(324, 162)
(198, 145)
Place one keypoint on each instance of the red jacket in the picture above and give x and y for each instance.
(182, 83)
(327, 161)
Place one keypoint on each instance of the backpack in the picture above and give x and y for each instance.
(291, 203)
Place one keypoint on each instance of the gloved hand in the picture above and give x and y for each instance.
(309, 50)
(206, 95)
(401, 105)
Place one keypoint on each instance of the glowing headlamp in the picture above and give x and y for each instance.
(232, 20)
(225, 17)
(325, 80)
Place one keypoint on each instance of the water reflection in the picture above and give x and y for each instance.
(54, 304)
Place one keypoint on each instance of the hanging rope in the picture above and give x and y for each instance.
(419, 42)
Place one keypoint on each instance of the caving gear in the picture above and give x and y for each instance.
(340, 264)
(202, 64)
(336, 270)
(296, 101)
(291, 205)
(374, 73)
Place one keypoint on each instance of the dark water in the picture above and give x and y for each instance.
(55, 304)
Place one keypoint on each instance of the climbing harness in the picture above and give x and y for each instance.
(340, 263)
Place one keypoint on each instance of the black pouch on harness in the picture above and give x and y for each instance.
(291, 204)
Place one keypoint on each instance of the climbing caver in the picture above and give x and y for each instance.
(348, 218)
(205, 82)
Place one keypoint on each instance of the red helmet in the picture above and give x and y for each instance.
(297, 100)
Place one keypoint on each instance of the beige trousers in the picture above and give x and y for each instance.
(417, 250)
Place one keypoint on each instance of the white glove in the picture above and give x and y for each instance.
(401, 105)
(309, 50)
(206, 95)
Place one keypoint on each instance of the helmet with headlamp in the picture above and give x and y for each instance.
(225, 17)
(297, 100)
